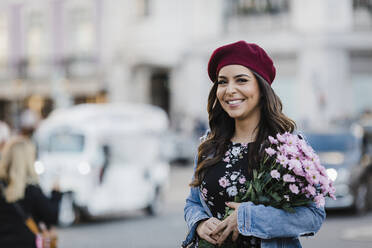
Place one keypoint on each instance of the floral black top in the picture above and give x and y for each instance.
(223, 182)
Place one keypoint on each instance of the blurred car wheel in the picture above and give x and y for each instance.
(156, 205)
(68, 213)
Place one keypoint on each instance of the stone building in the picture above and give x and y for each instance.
(59, 52)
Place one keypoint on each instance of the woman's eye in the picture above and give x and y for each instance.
(242, 80)
(221, 82)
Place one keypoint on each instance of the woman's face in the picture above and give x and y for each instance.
(238, 91)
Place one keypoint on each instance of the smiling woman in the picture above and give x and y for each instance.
(243, 112)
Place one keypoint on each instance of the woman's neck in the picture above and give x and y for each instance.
(246, 129)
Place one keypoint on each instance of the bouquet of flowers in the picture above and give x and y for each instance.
(289, 175)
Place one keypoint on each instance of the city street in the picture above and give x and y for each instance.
(97, 95)
(167, 230)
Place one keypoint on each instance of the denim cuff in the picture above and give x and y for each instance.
(192, 233)
(244, 218)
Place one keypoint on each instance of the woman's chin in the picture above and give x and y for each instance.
(235, 115)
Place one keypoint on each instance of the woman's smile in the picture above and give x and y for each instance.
(235, 102)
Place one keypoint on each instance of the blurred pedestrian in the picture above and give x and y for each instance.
(4, 135)
(20, 194)
(243, 111)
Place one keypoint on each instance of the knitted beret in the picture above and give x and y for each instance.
(249, 55)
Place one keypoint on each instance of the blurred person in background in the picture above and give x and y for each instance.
(19, 185)
(4, 135)
(243, 111)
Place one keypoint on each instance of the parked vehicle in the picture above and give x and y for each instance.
(182, 148)
(341, 152)
(108, 157)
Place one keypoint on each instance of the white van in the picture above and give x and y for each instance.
(108, 156)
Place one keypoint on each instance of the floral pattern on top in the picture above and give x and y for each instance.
(225, 179)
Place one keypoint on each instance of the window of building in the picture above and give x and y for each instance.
(249, 7)
(363, 4)
(143, 8)
(251, 15)
(82, 32)
(36, 42)
(362, 14)
(160, 89)
(4, 37)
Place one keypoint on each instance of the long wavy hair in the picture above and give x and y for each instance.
(222, 128)
(17, 168)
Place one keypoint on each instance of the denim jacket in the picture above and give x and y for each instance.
(276, 227)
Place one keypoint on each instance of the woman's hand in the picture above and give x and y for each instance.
(205, 229)
(229, 225)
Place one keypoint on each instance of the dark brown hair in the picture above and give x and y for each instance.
(222, 128)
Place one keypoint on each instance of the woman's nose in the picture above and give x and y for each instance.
(230, 88)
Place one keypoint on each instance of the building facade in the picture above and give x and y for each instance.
(54, 53)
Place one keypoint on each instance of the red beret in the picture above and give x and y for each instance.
(249, 55)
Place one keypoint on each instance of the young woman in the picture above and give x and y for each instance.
(243, 111)
(18, 175)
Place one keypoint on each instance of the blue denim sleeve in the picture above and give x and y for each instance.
(268, 222)
(193, 213)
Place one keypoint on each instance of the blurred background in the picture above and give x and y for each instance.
(73, 62)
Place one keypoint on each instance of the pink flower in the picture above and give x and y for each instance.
(322, 170)
(270, 151)
(273, 140)
(204, 191)
(288, 178)
(292, 140)
(313, 177)
(308, 165)
(242, 180)
(227, 159)
(294, 189)
(280, 137)
(319, 200)
(275, 174)
(223, 182)
(325, 189)
(324, 181)
(332, 196)
(316, 159)
(292, 150)
(294, 163)
(282, 150)
(305, 148)
(283, 160)
(299, 171)
(311, 190)
(287, 134)
(332, 191)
